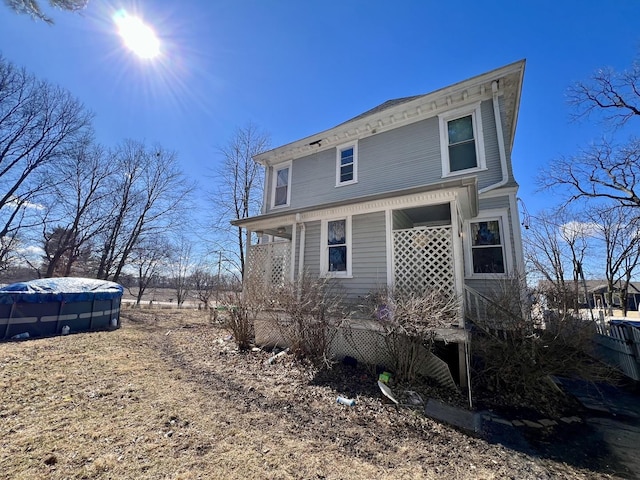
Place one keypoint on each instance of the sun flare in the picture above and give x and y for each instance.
(137, 36)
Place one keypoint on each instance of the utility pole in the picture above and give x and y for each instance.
(580, 274)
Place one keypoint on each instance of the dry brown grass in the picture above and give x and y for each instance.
(166, 397)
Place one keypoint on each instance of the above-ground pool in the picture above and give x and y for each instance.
(53, 306)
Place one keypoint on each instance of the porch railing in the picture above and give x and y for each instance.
(490, 316)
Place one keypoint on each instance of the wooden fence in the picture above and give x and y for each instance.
(619, 346)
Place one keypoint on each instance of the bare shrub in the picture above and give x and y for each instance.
(241, 313)
(409, 321)
(306, 313)
(514, 356)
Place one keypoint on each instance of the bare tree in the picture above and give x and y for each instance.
(239, 193)
(605, 171)
(152, 199)
(180, 266)
(608, 170)
(78, 192)
(205, 285)
(148, 257)
(614, 94)
(618, 229)
(39, 125)
(33, 9)
(575, 234)
(554, 246)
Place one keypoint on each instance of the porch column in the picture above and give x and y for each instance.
(292, 262)
(458, 257)
(246, 261)
(458, 273)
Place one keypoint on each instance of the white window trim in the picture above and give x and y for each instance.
(339, 150)
(324, 248)
(274, 182)
(501, 216)
(478, 133)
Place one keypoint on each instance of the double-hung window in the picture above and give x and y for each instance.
(488, 247)
(281, 195)
(347, 164)
(335, 254)
(461, 140)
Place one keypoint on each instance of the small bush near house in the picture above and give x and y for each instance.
(306, 314)
(410, 320)
(240, 316)
(514, 358)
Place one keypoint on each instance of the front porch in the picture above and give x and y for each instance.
(404, 243)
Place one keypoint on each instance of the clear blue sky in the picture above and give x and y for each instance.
(299, 67)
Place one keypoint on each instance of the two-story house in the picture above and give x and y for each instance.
(418, 191)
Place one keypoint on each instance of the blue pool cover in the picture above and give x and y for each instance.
(66, 289)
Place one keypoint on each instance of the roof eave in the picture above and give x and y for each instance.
(423, 106)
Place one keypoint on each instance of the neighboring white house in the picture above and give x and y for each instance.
(417, 192)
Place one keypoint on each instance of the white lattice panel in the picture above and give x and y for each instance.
(268, 264)
(365, 345)
(423, 258)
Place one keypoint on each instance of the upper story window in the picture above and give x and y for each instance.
(347, 164)
(488, 245)
(461, 140)
(281, 194)
(335, 256)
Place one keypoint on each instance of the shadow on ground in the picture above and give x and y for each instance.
(606, 437)
(602, 435)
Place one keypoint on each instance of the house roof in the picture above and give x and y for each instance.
(383, 106)
(599, 285)
(507, 81)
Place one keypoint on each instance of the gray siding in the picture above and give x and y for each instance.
(404, 157)
(369, 267)
(487, 287)
(493, 174)
(493, 203)
(312, 249)
(369, 256)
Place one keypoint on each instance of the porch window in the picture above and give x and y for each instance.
(487, 247)
(461, 138)
(347, 164)
(336, 251)
(281, 191)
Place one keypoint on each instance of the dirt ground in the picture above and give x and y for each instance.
(168, 396)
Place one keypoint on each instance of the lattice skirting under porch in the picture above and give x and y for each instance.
(360, 339)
